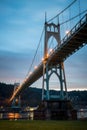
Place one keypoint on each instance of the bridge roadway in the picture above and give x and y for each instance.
(72, 42)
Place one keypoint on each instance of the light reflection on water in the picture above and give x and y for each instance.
(16, 116)
(82, 114)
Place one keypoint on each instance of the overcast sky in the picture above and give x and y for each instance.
(21, 23)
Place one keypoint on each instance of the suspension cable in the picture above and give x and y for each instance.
(79, 4)
(63, 10)
(36, 51)
(73, 17)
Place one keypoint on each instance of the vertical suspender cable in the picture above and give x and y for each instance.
(35, 52)
(63, 10)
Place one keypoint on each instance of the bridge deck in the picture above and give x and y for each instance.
(71, 43)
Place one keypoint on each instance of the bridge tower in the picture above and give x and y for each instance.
(52, 29)
(54, 107)
(16, 103)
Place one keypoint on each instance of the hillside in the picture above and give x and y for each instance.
(32, 96)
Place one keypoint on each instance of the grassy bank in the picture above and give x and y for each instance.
(43, 125)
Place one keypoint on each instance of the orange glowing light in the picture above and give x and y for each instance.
(47, 55)
(30, 73)
(35, 67)
(42, 59)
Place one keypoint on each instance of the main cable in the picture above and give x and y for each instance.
(73, 17)
(36, 52)
(62, 11)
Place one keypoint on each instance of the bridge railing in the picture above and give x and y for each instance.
(71, 33)
(75, 28)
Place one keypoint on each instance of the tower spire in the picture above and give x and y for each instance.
(45, 17)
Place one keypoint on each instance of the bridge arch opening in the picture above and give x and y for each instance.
(54, 82)
(52, 43)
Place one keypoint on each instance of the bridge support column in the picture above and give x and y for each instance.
(62, 79)
(52, 29)
(60, 73)
(45, 91)
(16, 103)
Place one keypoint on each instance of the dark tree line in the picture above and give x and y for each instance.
(32, 96)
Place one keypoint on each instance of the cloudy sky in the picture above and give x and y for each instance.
(21, 24)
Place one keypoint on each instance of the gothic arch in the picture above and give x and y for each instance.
(50, 34)
(52, 30)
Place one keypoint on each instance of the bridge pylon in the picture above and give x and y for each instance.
(54, 107)
(16, 103)
(52, 29)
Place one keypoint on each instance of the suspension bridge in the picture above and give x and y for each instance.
(53, 60)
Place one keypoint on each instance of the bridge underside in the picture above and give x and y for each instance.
(71, 43)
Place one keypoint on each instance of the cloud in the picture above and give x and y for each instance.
(75, 68)
(17, 22)
(14, 65)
